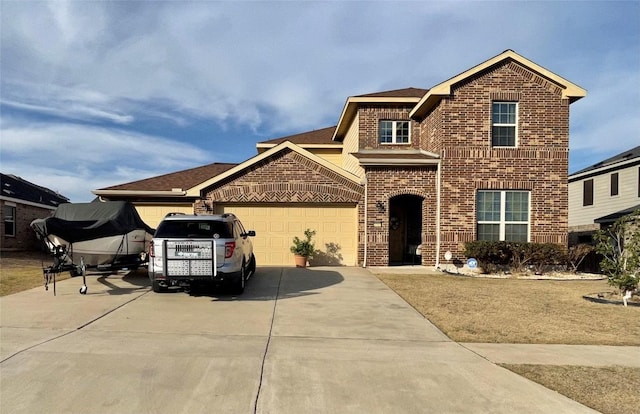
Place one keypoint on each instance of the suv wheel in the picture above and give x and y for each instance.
(238, 283)
(157, 288)
(252, 266)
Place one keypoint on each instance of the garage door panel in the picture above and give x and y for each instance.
(277, 225)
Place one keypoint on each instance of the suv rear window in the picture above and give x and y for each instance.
(194, 229)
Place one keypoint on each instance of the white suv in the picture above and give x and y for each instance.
(188, 249)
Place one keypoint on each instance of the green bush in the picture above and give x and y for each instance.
(491, 256)
(619, 246)
(515, 256)
(304, 247)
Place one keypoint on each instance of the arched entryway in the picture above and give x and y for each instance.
(405, 229)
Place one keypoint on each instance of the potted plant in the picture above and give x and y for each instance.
(303, 249)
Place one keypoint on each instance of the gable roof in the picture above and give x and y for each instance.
(312, 139)
(610, 163)
(172, 184)
(569, 90)
(287, 145)
(398, 96)
(15, 188)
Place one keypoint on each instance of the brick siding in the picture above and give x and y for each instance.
(287, 177)
(25, 237)
(459, 129)
(384, 183)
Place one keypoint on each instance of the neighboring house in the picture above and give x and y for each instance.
(21, 203)
(483, 155)
(602, 193)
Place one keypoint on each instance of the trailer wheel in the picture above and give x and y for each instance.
(83, 290)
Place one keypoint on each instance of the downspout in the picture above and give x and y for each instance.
(438, 196)
(364, 260)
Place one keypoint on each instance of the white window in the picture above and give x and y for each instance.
(504, 117)
(394, 132)
(9, 216)
(503, 215)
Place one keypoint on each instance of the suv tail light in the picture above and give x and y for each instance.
(229, 247)
(151, 252)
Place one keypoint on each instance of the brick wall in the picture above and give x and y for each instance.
(459, 129)
(383, 183)
(287, 177)
(369, 115)
(469, 163)
(25, 238)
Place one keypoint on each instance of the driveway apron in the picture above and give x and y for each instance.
(318, 340)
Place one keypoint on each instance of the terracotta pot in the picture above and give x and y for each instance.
(301, 261)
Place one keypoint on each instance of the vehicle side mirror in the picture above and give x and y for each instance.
(251, 233)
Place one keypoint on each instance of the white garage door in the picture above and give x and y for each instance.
(276, 225)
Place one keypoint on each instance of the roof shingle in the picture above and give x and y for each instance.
(184, 179)
(21, 189)
(319, 136)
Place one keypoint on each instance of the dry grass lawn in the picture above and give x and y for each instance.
(23, 270)
(610, 390)
(471, 309)
(535, 311)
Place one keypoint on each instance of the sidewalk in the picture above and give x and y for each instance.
(537, 354)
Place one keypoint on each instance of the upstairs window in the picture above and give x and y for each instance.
(9, 213)
(614, 184)
(503, 124)
(587, 192)
(394, 132)
(503, 215)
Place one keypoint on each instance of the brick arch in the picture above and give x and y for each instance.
(408, 191)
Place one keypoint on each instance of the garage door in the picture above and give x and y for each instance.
(276, 225)
(152, 214)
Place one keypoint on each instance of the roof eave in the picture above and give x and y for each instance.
(399, 162)
(570, 90)
(337, 145)
(141, 193)
(591, 171)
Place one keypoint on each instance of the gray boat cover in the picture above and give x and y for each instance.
(75, 222)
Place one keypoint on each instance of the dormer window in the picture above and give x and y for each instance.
(394, 132)
(504, 117)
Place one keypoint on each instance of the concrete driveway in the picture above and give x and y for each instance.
(320, 340)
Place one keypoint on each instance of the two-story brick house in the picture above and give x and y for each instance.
(483, 155)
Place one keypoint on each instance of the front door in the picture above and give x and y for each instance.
(405, 229)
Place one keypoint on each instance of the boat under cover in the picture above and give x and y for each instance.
(107, 234)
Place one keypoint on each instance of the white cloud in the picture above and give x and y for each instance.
(277, 68)
(75, 159)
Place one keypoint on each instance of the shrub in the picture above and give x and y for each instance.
(619, 246)
(490, 255)
(576, 254)
(304, 247)
(494, 255)
(547, 254)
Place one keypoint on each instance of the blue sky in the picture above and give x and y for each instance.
(95, 94)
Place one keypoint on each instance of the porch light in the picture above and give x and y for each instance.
(380, 206)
